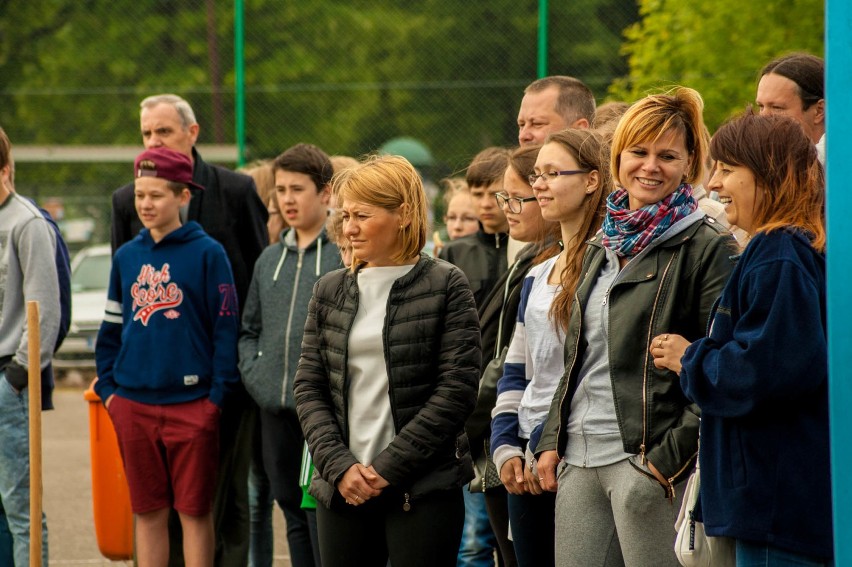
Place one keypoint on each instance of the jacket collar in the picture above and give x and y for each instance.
(681, 231)
(413, 275)
(496, 240)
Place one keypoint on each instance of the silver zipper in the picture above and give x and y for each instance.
(647, 353)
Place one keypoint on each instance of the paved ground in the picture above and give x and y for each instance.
(68, 486)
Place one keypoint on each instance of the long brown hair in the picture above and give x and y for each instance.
(590, 151)
(788, 176)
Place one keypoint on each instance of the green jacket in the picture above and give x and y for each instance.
(671, 289)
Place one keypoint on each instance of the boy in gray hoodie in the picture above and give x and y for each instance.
(273, 322)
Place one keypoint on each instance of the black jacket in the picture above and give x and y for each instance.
(478, 426)
(671, 289)
(432, 352)
(483, 259)
(228, 209)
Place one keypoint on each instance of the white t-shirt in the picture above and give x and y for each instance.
(371, 427)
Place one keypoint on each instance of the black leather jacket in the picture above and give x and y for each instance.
(432, 352)
(671, 289)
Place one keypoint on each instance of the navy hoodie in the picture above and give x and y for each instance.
(170, 329)
(761, 381)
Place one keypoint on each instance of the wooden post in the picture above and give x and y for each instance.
(34, 387)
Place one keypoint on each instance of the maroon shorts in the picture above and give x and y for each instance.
(170, 453)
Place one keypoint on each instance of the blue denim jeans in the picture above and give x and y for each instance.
(764, 555)
(6, 557)
(478, 541)
(15, 472)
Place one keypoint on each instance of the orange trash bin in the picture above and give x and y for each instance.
(110, 495)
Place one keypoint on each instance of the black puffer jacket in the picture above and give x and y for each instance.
(432, 352)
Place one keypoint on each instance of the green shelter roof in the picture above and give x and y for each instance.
(411, 149)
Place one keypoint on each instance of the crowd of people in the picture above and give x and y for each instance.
(614, 288)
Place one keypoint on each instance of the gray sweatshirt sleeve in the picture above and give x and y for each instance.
(35, 247)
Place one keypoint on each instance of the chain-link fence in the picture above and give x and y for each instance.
(346, 75)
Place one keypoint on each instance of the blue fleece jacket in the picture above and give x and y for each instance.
(761, 381)
(170, 329)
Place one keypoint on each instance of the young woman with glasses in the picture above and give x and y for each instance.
(497, 317)
(626, 431)
(570, 188)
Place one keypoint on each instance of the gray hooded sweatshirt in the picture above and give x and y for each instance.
(274, 316)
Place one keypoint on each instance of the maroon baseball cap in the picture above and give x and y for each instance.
(166, 164)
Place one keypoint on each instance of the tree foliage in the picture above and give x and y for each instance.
(717, 48)
(344, 74)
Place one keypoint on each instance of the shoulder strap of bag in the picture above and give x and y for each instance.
(497, 351)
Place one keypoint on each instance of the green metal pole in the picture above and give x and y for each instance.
(542, 38)
(239, 82)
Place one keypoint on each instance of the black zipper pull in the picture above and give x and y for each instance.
(406, 506)
(691, 531)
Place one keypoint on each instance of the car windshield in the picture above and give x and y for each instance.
(92, 273)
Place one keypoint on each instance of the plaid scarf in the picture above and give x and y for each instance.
(628, 232)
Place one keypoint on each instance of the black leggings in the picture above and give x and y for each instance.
(282, 460)
(427, 535)
(497, 504)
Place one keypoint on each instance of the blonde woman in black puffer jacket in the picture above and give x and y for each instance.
(388, 376)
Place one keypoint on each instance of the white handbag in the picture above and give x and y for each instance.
(693, 547)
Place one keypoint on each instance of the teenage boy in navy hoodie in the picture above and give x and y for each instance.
(166, 358)
(273, 324)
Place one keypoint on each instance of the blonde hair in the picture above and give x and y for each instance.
(680, 110)
(453, 186)
(264, 178)
(339, 163)
(334, 229)
(5, 149)
(391, 183)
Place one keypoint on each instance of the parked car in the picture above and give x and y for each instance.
(90, 269)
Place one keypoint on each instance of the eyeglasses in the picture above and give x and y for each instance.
(515, 204)
(551, 175)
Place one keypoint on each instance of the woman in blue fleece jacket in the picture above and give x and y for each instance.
(761, 376)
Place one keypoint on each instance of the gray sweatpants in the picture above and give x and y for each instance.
(614, 516)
